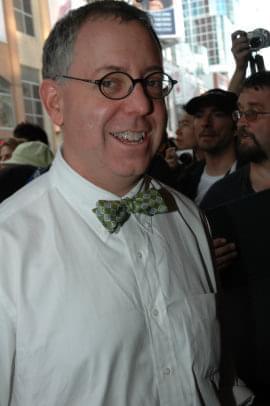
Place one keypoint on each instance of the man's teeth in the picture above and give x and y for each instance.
(130, 136)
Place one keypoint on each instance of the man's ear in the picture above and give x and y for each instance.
(51, 96)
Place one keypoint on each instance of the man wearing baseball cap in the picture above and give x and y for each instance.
(215, 133)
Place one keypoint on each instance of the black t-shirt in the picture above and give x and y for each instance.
(230, 188)
(235, 211)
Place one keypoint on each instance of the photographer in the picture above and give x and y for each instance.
(244, 45)
(241, 51)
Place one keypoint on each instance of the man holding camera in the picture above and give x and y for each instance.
(241, 52)
(243, 45)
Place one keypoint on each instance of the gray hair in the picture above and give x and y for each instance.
(58, 48)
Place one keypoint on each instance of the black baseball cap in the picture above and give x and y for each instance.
(224, 100)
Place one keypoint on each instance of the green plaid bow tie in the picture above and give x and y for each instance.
(113, 213)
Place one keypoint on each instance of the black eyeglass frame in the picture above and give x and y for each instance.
(250, 115)
(143, 81)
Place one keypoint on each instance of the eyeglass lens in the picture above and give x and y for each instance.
(250, 115)
(118, 85)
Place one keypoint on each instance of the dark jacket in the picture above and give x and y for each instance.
(13, 177)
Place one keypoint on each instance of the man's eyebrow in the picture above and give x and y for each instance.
(116, 68)
(216, 109)
(109, 68)
(251, 104)
(154, 68)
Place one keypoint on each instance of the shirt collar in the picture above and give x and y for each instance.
(78, 189)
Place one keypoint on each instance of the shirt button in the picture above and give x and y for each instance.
(155, 312)
(167, 371)
(140, 255)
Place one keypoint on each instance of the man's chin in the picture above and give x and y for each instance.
(134, 173)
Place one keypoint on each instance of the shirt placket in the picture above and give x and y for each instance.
(154, 302)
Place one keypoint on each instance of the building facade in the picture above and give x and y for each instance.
(24, 26)
(209, 23)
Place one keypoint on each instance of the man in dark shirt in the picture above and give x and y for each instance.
(228, 189)
(253, 122)
(235, 200)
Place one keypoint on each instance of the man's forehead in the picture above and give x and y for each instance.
(252, 96)
(105, 48)
(103, 30)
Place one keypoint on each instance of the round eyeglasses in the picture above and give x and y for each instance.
(250, 115)
(119, 85)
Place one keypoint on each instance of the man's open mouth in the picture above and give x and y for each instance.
(134, 137)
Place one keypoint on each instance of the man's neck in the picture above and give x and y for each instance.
(219, 164)
(118, 188)
(260, 175)
(118, 185)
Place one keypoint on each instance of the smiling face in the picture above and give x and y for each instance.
(214, 130)
(254, 136)
(110, 142)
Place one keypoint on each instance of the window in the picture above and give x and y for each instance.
(6, 109)
(23, 16)
(32, 103)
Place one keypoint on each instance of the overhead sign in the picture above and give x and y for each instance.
(165, 15)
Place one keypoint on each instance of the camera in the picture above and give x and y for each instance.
(258, 39)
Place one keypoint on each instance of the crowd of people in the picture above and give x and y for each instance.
(23, 157)
(124, 280)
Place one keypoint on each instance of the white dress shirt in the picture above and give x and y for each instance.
(89, 318)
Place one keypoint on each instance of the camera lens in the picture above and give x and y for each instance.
(255, 42)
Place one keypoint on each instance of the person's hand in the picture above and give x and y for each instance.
(171, 157)
(225, 253)
(240, 49)
(155, 5)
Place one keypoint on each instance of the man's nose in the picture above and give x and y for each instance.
(138, 100)
(206, 119)
(242, 121)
